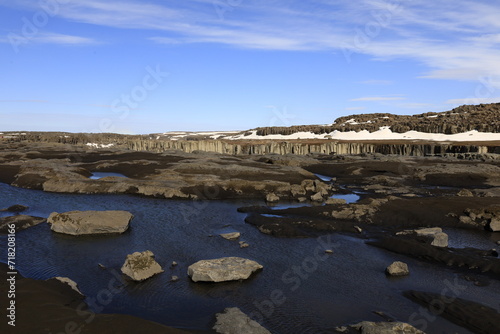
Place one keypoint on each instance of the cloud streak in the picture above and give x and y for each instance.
(474, 100)
(458, 40)
(378, 98)
(48, 38)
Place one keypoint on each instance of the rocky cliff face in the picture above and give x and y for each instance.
(261, 147)
(483, 118)
(303, 147)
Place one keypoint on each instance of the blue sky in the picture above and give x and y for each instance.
(156, 66)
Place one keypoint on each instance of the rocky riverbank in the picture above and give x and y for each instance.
(54, 307)
(429, 134)
(399, 196)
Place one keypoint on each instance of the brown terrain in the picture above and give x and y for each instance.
(403, 186)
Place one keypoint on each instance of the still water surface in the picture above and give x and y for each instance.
(317, 292)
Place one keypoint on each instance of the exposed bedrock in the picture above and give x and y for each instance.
(90, 222)
(466, 258)
(303, 147)
(223, 269)
(475, 317)
(20, 222)
(233, 321)
(53, 306)
(395, 214)
(369, 327)
(168, 175)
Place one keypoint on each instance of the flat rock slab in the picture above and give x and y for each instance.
(90, 222)
(223, 269)
(231, 235)
(368, 327)
(141, 265)
(20, 222)
(434, 235)
(233, 321)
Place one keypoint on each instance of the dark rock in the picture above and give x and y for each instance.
(21, 222)
(475, 317)
(233, 321)
(16, 208)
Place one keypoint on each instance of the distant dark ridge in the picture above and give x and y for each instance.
(483, 118)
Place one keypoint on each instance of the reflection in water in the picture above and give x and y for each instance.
(100, 175)
(349, 198)
(324, 177)
(320, 292)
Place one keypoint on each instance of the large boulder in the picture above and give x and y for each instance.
(141, 265)
(465, 193)
(397, 268)
(318, 197)
(272, 198)
(433, 235)
(494, 224)
(368, 327)
(90, 222)
(223, 269)
(233, 321)
(20, 222)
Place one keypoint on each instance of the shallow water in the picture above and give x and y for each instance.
(458, 238)
(324, 177)
(349, 198)
(100, 175)
(300, 290)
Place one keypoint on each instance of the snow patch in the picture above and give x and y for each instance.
(384, 133)
(95, 145)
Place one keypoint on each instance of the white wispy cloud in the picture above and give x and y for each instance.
(474, 100)
(379, 98)
(377, 82)
(453, 40)
(47, 38)
(54, 38)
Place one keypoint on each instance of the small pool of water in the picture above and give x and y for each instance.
(349, 198)
(460, 238)
(100, 175)
(324, 178)
(319, 291)
(288, 205)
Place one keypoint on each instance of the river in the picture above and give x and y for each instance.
(300, 290)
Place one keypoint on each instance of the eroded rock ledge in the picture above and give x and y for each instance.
(90, 222)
